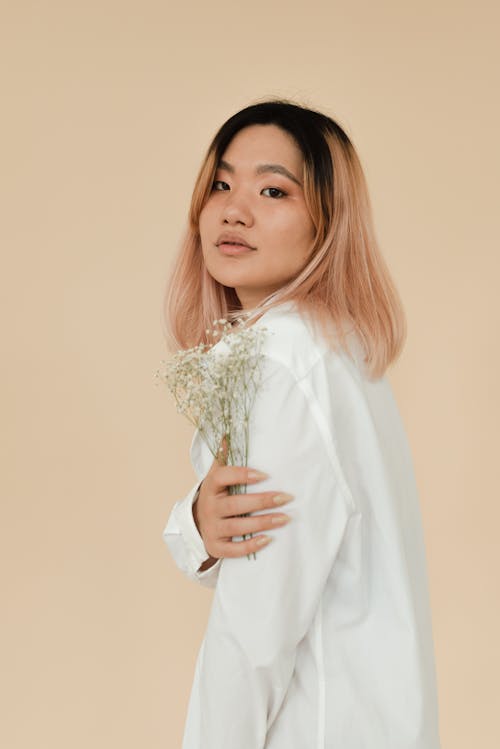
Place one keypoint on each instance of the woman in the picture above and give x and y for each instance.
(323, 640)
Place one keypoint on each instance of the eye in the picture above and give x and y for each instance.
(276, 189)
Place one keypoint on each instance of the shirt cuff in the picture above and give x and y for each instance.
(185, 543)
(188, 529)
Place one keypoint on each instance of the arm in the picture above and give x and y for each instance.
(263, 608)
(185, 543)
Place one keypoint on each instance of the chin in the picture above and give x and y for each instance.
(228, 276)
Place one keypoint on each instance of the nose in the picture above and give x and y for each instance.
(237, 209)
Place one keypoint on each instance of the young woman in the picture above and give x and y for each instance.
(324, 639)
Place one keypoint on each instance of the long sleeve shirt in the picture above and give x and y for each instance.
(324, 641)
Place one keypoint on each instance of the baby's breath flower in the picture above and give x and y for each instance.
(214, 386)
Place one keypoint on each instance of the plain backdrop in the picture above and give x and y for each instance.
(107, 110)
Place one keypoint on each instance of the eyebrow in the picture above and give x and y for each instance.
(262, 169)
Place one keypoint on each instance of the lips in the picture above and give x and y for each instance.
(234, 240)
(233, 249)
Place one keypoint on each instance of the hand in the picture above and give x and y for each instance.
(215, 511)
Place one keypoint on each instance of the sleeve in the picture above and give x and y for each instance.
(185, 543)
(262, 608)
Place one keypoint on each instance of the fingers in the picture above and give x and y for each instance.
(252, 524)
(233, 522)
(242, 548)
(229, 515)
(239, 504)
(223, 476)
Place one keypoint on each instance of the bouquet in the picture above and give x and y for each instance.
(214, 386)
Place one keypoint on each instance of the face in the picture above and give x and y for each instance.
(262, 207)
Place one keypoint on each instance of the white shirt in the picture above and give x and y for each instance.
(324, 641)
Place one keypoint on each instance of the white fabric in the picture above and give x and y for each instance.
(324, 641)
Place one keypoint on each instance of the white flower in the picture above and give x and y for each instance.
(215, 386)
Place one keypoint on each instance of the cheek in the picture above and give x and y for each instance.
(206, 216)
(301, 242)
(294, 221)
(300, 233)
(202, 222)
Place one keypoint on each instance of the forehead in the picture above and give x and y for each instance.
(263, 143)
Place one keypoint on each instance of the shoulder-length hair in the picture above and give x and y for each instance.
(346, 278)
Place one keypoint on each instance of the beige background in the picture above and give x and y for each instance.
(107, 109)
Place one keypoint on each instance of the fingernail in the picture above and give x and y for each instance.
(263, 540)
(280, 520)
(252, 474)
(281, 498)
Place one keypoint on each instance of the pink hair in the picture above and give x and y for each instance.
(345, 280)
